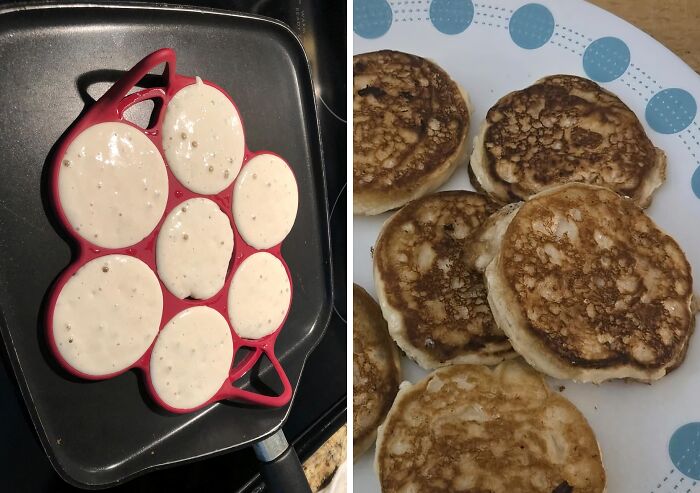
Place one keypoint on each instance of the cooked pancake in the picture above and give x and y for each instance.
(376, 370)
(484, 241)
(434, 303)
(564, 129)
(410, 126)
(587, 287)
(475, 429)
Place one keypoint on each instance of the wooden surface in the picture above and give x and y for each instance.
(321, 466)
(674, 23)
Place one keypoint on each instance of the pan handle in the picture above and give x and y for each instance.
(280, 466)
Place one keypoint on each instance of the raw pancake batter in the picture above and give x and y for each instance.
(265, 201)
(107, 314)
(191, 357)
(194, 248)
(259, 296)
(113, 185)
(203, 138)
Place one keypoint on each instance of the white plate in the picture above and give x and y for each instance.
(634, 423)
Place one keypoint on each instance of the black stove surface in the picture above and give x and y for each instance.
(320, 404)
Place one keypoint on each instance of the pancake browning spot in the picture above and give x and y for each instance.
(435, 304)
(409, 125)
(566, 129)
(375, 370)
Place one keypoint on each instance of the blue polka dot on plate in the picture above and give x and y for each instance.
(695, 182)
(671, 110)
(371, 18)
(606, 59)
(531, 26)
(451, 16)
(684, 450)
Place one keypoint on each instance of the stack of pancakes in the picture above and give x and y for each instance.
(553, 260)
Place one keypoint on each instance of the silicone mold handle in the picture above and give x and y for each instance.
(136, 97)
(122, 87)
(253, 397)
(245, 365)
(140, 96)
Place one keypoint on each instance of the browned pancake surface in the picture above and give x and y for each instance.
(441, 300)
(472, 429)
(375, 372)
(408, 118)
(563, 129)
(600, 285)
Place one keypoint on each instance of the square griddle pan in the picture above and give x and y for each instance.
(56, 59)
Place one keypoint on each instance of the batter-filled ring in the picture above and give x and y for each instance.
(265, 201)
(107, 315)
(194, 249)
(192, 357)
(203, 138)
(112, 185)
(259, 296)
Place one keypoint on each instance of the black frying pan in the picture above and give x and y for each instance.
(55, 60)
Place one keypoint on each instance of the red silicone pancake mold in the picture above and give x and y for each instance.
(110, 108)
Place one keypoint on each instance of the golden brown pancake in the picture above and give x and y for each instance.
(376, 370)
(474, 429)
(434, 303)
(410, 126)
(564, 129)
(587, 287)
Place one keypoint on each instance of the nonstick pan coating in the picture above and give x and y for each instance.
(54, 59)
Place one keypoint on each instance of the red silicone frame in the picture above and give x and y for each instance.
(110, 108)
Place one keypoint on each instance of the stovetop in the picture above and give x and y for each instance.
(320, 403)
